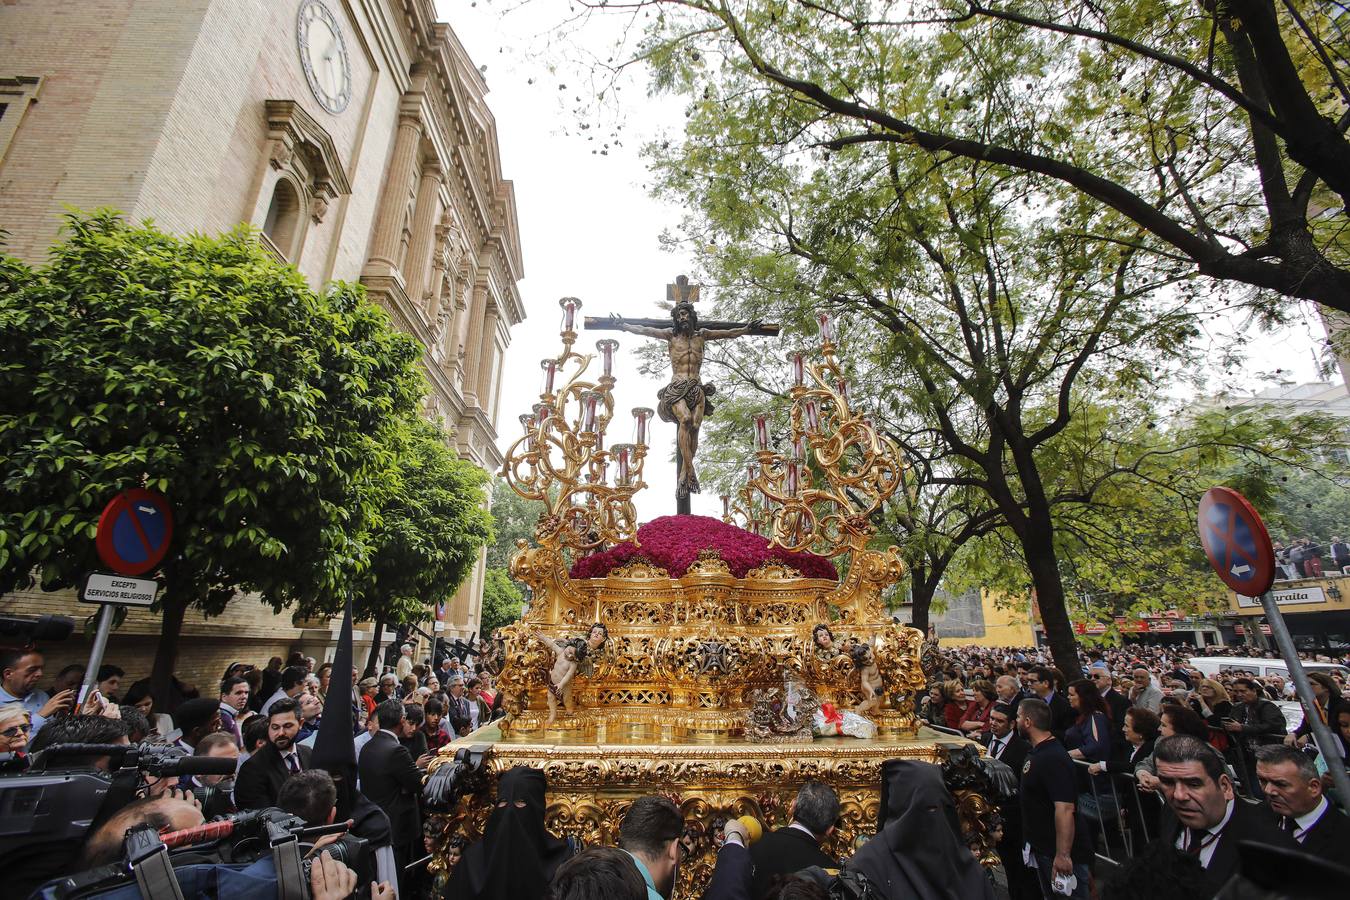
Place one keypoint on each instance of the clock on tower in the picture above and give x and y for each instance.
(323, 54)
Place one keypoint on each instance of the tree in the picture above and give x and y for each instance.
(503, 602)
(202, 368)
(1212, 137)
(427, 533)
(513, 519)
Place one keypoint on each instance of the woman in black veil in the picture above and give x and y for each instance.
(516, 857)
(918, 851)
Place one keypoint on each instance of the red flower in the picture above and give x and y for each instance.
(673, 542)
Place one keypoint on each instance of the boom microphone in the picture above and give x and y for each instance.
(200, 765)
(37, 628)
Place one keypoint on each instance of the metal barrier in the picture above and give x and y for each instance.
(1112, 818)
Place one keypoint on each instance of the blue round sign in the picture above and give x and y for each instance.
(1236, 542)
(134, 531)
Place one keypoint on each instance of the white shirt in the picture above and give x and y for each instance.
(1207, 851)
(279, 695)
(998, 744)
(802, 828)
(1308, 820)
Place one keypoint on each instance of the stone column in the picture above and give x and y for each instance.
(477, 314)
(440, 262)
(384, 245)
(487, 359)
(425, 215)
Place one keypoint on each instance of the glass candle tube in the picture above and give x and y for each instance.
(841, 386)
(812, 410)
(762, 431)
(542, 411)
(726, 506)
(589, 402)
(641, 416)
(550, 368)
(792, 479)
(623, 459)
(798, 370)
(569, 305)
(826, 327)
(607, 348)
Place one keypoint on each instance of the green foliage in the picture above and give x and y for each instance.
(513, 519)
(503, 602)
(1210, 138)
(429, 529)
(279, 421)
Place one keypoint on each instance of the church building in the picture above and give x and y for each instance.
(356, 137)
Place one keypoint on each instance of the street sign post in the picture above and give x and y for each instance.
(1239, 550)
(133, 537)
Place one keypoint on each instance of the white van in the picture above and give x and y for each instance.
(1210, 666)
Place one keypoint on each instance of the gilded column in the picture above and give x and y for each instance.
(384, 247)
(473, 342)
(425, 214)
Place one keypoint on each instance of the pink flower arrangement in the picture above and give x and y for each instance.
(673, 543)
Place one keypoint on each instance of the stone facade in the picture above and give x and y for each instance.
(354, 134)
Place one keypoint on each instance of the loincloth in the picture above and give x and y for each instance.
(687, 389)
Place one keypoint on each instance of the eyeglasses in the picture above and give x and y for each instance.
(16, 730)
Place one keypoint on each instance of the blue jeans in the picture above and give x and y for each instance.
(1045, 872)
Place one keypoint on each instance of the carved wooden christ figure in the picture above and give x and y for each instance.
(686, 399)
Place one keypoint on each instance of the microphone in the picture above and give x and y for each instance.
(198, 765)
(37, 628)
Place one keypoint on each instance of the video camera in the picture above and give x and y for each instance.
(69, 789)
(447, 784)
(223, 858)
(37, 628)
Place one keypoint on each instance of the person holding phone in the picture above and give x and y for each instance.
(20, 672)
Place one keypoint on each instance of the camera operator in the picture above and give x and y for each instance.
(215, 792)
(81, 730)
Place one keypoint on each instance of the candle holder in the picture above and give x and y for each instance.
(561, 460)
(859, 468)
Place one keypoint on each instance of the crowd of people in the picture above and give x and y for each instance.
(1148, 742)
(267, 719)
(1190, 746)
(1310, 558)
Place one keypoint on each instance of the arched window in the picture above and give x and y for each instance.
(283, 218)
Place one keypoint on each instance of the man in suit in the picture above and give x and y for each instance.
(1009, 691)
(1003, 742)
(458, 713)
(1294, 790)
(391, 780)
(234, 693)
(1210, 817)
(262, 774)
(1117, 704)
(796, 847)
(1255, 722)
(1048, 686)
(1007, 746)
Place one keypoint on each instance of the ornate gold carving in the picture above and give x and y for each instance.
(773, 571)
(709, 562)
(640, 568)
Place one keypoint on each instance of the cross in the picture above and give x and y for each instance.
(686, 399)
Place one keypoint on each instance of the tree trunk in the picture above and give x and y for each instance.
(166, 651)
(921, 589)
(374, 655)
(1044, 568)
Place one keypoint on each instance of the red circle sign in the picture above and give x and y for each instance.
(1236, 542)
(134, 532)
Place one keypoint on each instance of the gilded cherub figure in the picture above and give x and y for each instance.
(869, 678)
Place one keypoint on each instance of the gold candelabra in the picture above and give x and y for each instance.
(859, 468)
(561, 459)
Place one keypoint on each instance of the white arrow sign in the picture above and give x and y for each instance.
(148, 510)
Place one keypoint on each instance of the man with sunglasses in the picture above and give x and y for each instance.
(14, 730)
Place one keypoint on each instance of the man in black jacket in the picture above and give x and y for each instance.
(391, 780)
(1293, 788)
(1049, 686)
(1117, 704)
(261, 775)
(1211, 819)
(1010, 748)
(797, 846)
(1255, 722)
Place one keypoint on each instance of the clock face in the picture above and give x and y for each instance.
(323, 54)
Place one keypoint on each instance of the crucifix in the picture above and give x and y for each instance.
(686, 400)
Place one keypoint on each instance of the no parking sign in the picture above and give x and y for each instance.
(1236, 542)
(134, 531)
